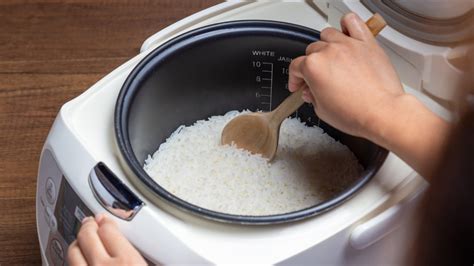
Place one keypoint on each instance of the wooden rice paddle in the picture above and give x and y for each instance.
(258, 132)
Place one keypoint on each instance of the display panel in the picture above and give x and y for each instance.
(69, 211)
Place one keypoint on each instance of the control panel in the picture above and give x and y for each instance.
(59, 211)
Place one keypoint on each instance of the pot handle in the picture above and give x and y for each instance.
(113, 194)
(388, 217)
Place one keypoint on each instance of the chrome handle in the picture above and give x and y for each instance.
(113, 194)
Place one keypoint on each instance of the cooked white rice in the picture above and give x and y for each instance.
(309, 167)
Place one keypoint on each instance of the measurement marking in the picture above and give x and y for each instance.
(268, 78)
(271, 85)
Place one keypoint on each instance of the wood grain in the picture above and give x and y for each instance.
(50, 52)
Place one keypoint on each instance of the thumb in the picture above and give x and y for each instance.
(355, 27)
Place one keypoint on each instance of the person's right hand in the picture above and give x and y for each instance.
(347, 76)
(354, 87)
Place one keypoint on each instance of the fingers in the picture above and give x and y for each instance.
(114, 242)
(74, 255)
(332, 35)
(296, 78)
(315, 47)
(355, 27)
(89, 241)
(99, 242)
(352, 25)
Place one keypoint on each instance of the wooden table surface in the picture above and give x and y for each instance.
(50, 52)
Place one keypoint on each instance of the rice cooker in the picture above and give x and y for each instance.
(235, 56)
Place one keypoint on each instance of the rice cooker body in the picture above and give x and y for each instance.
(209, 71)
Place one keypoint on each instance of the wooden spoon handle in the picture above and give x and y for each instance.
(376, 24)
(288, 106)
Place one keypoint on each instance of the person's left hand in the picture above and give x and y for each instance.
(99, 242)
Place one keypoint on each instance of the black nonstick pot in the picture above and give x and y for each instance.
(209, 71)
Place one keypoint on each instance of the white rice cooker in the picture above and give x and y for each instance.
(82, 172)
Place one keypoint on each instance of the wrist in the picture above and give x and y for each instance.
(411, 131)
(389, 117)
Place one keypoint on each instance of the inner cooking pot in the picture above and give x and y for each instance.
(210, 71)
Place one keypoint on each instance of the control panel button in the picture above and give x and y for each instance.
(51, 219)
(48, 214)
(50, 190)
(57, 251)
(53, 224)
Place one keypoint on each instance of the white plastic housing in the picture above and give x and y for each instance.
(82, 135)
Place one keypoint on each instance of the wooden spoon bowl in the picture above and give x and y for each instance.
(258, 132)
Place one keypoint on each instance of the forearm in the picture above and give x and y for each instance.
(411, 131)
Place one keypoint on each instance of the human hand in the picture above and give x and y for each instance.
(99, 242)
(348, 78)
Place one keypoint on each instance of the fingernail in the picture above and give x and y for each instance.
(353, 17)
(85, 220)
(355, 21)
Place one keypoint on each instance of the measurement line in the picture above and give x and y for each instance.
(271, 86)
(268, 87)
